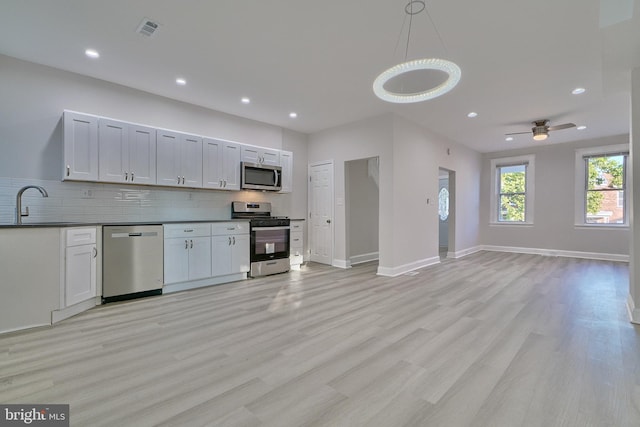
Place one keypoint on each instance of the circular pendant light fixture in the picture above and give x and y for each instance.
(451, 69)
(418, 64)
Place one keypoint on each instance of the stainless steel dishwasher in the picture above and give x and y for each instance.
(132, 258)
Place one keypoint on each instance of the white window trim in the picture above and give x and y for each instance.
(580, 192)
(529, 191)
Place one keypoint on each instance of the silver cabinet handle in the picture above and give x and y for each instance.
(178, 179)
(126, 176)
(231, 228)
(225, 183)
(95, 252)
(191, 243)
(220, 183)
(234, 240)
(183, 180)
(328, 221)
(68, 170)
(131, 176)
(189, 230)
(186, 244)
(229, 241)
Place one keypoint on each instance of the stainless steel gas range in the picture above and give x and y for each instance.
(269, 237)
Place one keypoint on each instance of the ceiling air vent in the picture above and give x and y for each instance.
(147, 27)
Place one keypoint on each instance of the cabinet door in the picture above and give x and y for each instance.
(176, 260)
(286, 161)
(212, 153)
(250, 154)
(142, 154)
(113, 151)
(221, 255)
(199, 257)
(80, 274)
(191, 164)
(240, 254)
(230, 165)
(270, 157)
(80, 147)
(168, 158)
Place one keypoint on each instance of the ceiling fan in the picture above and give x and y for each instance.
(541, 129)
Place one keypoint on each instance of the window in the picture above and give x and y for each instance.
(512, 190)
(601, 183)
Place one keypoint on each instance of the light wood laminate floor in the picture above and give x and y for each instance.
(492, 339)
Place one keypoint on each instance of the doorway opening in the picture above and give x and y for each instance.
(446, 213)
(362, 196)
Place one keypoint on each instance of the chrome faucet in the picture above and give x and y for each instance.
(19, 213)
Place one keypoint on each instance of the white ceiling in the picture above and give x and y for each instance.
(519, 59)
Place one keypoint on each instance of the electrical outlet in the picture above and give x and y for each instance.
(87, 194)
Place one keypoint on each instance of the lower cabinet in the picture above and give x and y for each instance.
(80, 267)
(202, 254)
(296, 248)
(187, 252)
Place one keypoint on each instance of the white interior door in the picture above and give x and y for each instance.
(321, 212)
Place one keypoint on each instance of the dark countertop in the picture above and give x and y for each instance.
(95, 224)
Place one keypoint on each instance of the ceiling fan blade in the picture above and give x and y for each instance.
(517, 133)
(563, 126)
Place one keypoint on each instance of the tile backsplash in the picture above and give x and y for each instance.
(98, 202)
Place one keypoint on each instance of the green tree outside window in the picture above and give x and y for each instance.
(512, 192)
(604, 173)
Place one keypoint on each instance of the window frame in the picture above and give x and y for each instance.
(529, 161)
(581, 184)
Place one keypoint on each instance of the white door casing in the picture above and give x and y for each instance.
(321, 212)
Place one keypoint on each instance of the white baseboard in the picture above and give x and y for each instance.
(557, 252)
(341, 263)
(634, 313)
(397, 271)
(464, 252)
(81, 307)
(359, 259)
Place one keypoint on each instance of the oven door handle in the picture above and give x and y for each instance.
(284, 227)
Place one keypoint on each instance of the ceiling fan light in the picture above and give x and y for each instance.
(540, 136)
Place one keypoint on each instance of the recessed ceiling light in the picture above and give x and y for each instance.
(180, 81)
(293, 115)
(245, 100)
(581, 127)
(509, 138)
(472, 114)
(578, 91)
(92, 53)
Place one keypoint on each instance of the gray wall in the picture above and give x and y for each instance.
(362, 197)
(554, 208)
(32, 99)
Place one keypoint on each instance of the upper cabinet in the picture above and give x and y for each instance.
(106, 150)
(80, 147)
(260, 155)
(221, 164)
(127, 152)
(286, 162)
(179, 159)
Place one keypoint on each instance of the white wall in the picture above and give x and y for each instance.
(410, 157)
(634, 255)
(553, 227)
(32, 98)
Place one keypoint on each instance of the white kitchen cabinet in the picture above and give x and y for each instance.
(296, 244)
(187, 252)
(221, 164)
(80, 265)
(286, 161)
(179, 159)
(230, 248)
(260, 155)
(127, 152)
(80, 136)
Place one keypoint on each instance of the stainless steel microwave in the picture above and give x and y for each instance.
(256, 176)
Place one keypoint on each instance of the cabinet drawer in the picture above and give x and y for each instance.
(296, 226)
(226, 228)
(187, 230)
(295, 240)
(81, 236)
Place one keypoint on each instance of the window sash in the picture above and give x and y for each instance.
(618, 190)
(511, 195)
